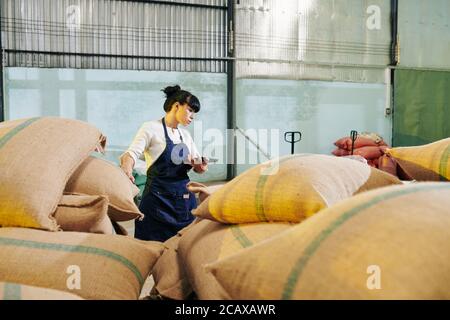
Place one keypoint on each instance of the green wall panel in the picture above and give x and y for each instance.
(422, 107)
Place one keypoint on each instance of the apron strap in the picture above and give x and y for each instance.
(165, 131)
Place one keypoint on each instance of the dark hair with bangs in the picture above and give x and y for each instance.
(175, 94)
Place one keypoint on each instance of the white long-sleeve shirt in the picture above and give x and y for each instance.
(150, 141)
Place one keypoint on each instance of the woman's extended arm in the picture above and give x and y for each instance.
(140, 142)
(127, 164)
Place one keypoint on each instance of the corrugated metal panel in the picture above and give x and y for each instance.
(294, 70)
(204, 2)
(312, 38)
(424, 33)
(132, 30)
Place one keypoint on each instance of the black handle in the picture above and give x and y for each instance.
(353, 136)
(293, 139)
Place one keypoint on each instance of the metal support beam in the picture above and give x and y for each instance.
(394, 33)
(395, 57)
(231, 110)
(182, 4)
(100, 55)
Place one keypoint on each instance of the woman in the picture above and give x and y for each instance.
(170, 153)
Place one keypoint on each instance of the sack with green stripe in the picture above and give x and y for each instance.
(170, 279)
(430, 162)
(16, 291)
(37, 157)
(291, 189)
(92, 266)
(390, 243)
(208, 241)
(100, 177)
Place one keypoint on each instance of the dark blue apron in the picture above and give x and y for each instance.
(166, 202)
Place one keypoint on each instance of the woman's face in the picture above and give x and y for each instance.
(185, 114)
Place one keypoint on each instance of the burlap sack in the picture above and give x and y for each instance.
(100, 177)
(213, 188)
(430, 162)
(15, 291)
(170, 279)
(390, 243)
(369, 153)
(208, 241)
(37, 157)
(107, 266)
(119, 229)
(171, 282)
(363, 140)
(387, 164)
(291, 189)
(84, 213)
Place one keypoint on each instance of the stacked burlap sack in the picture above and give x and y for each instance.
(370, 146)
(389, 243)
(429, 162)
(338, 240)
(60, 208)
(15, 291)
(251, 210)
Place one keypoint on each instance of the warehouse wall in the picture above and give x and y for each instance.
(117, 102)
(322, 111)
(421, 94)
(333, 40)
(422, 107)
(424, 33)
(301, 65)
(315, 66)
(280, 42)
(308, 36)
(110, 34)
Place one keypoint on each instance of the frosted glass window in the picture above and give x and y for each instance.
(67, 104)
(118, 102)
(322, 111)
(26, 102)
